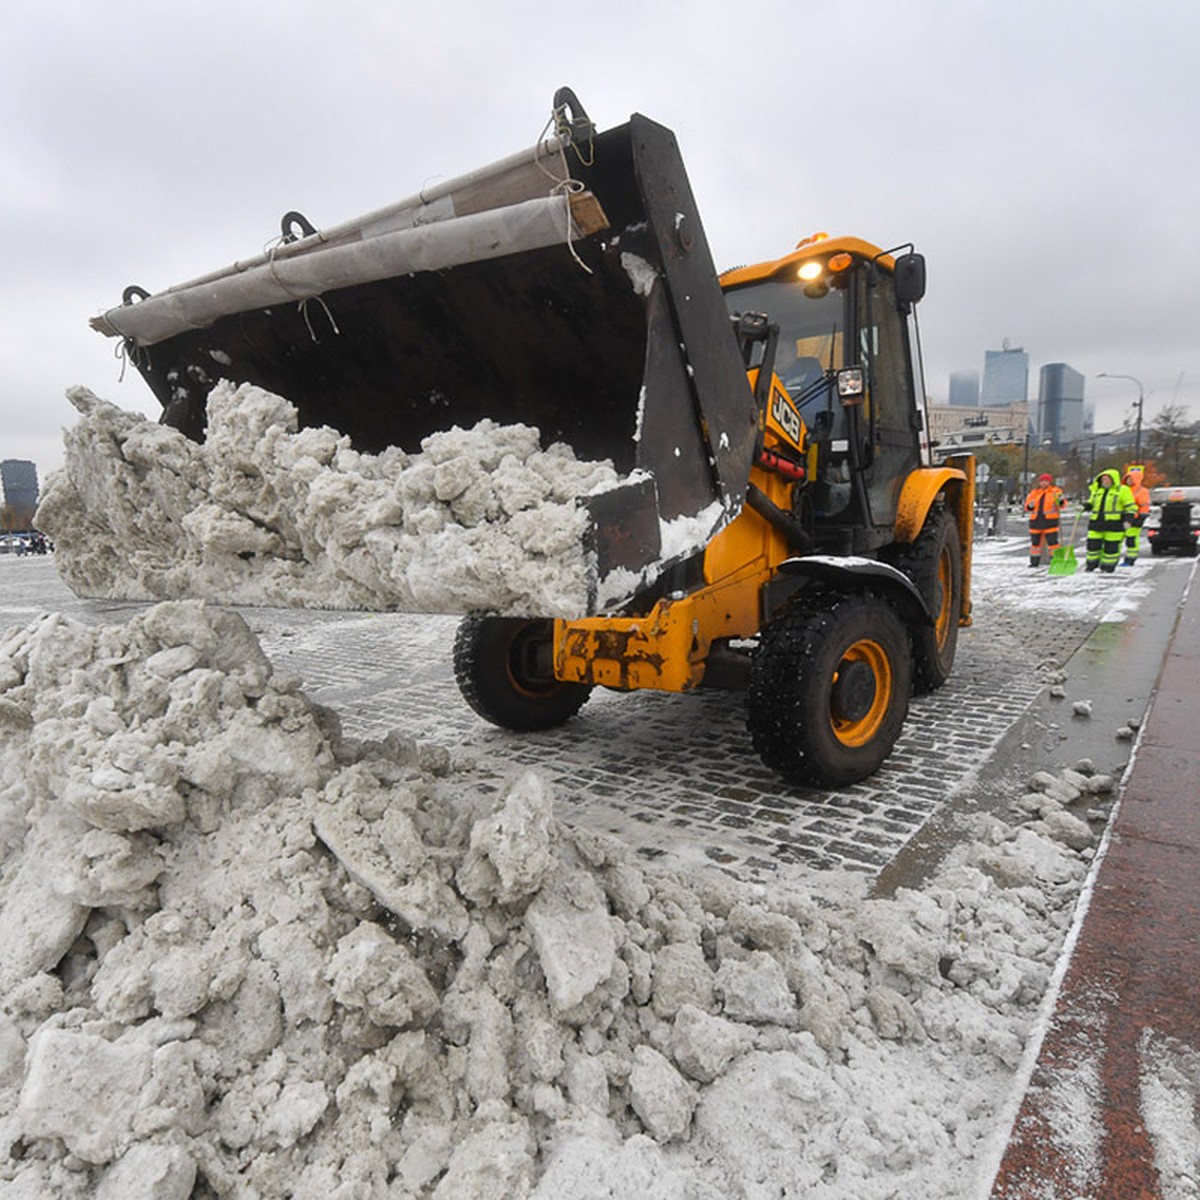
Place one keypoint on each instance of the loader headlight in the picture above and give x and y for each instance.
(812, 274)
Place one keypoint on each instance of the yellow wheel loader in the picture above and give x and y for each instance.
(780, 527)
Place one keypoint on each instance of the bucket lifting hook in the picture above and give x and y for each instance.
(571, 121)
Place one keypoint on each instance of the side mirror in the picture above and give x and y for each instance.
(851, 386)
(909, 278)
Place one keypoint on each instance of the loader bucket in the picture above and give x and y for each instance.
(588, 309)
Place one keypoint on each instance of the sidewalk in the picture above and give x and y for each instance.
(1110, 1110)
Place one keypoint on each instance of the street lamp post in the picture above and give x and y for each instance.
(1137, 437)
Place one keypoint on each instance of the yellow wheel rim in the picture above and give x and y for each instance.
(943, 597)
(865, 672)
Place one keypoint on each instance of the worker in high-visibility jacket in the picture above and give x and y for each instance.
(1043, 506)
(1111, 509)
(1141, 496)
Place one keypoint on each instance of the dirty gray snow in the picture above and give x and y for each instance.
(242, 955)
(265, 513)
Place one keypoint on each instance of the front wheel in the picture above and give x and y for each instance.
(934, 563)
(829, 687)
(504, 669)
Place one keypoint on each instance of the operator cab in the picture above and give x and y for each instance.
(842, 304)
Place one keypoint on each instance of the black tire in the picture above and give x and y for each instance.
(933, 561)
(829, 687)
(503, 667)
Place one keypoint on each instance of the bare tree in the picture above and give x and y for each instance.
(1173, 441)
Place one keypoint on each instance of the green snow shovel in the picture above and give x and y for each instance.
(1062, 558)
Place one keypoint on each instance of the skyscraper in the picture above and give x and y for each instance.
(1005, 376)
(1060, 404)
(20, 482)
(964, 389)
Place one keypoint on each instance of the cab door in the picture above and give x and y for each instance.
(889, 424)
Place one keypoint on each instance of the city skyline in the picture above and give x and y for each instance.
(1017, 139)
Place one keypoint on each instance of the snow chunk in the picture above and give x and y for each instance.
(641, 274)
(373, 972)
(703, 1045)
(1068, 828)
(266, 513)
(84, 1089)
(682, 976)
(660, 1096)
(756, 990)
(491, 1164)
(149, 1171)
(573, 936)
(511, 851)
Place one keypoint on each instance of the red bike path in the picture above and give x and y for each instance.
(1133, 976)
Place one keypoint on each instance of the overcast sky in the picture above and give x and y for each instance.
(1043, 155)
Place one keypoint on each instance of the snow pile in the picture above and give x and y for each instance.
(241, 955)
(266, 513)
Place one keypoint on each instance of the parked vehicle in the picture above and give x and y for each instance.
(1173, 525)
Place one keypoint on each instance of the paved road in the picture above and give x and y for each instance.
(676, 776)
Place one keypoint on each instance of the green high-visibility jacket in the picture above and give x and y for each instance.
(1110, 507)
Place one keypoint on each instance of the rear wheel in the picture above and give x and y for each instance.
(829, 687)
(933, 561)
(504, 669)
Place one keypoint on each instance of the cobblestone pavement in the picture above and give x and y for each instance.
(675, 776)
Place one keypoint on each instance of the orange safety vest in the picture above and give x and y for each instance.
(1141, 494)
(1044, 504)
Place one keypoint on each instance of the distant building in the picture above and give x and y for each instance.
(1061, 416)
(19, 480)
(954, 428)
(964, 389)
(1005, 376)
